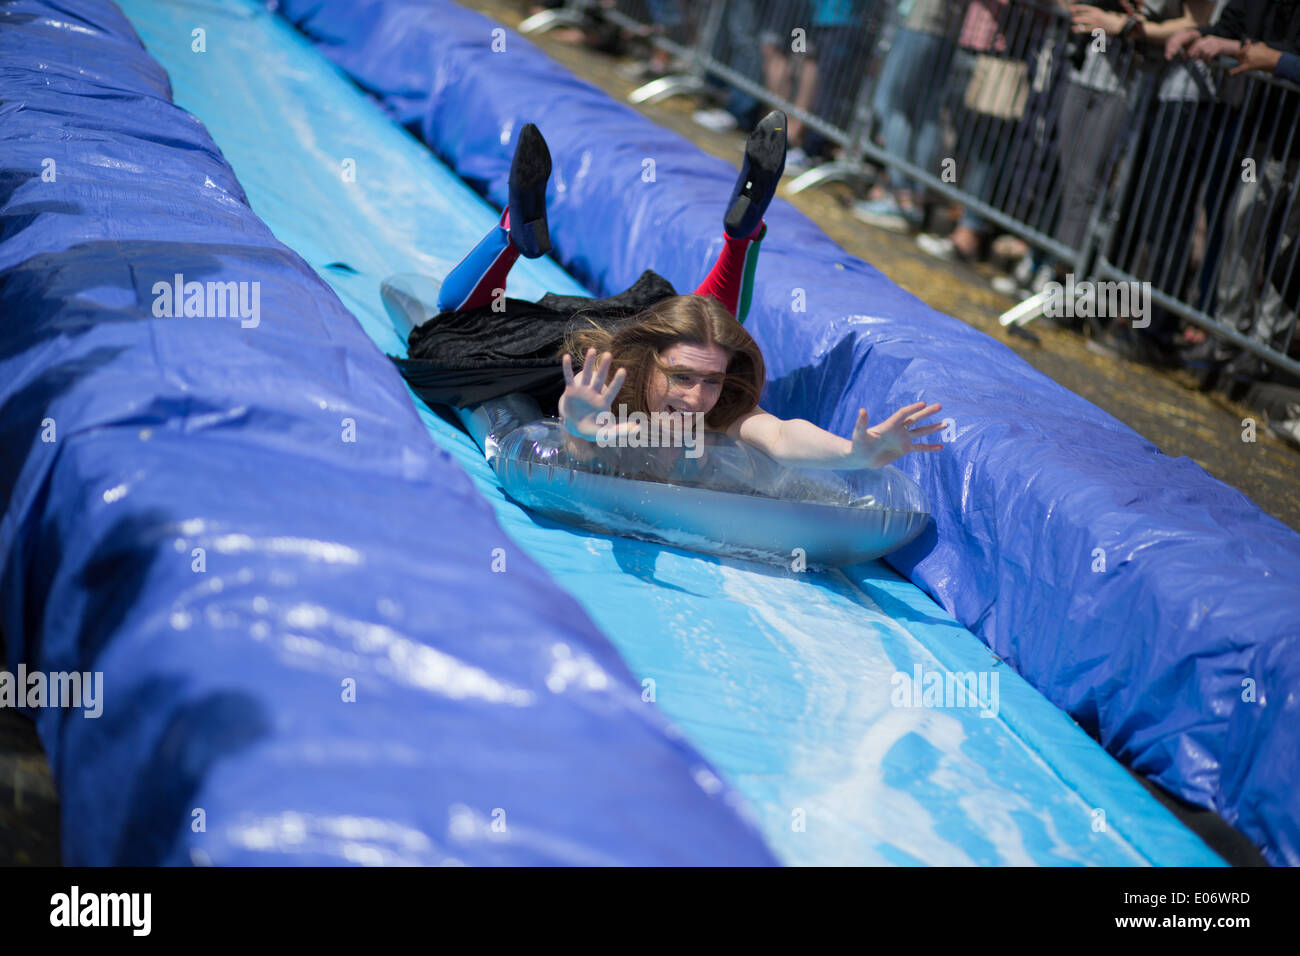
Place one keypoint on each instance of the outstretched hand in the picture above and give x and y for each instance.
(878, 445)
(586, 395)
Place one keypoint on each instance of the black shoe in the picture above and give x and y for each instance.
(760, 174)
(529, 172)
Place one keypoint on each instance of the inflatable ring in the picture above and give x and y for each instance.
(725, 498)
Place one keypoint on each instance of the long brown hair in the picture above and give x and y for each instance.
(684, 319)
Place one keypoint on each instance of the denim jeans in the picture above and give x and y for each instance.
(907, 98)
(739, 50)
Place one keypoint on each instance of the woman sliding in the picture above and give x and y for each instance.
(674, 354)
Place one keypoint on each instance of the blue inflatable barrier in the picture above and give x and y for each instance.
(218, 495)
(1153, 603)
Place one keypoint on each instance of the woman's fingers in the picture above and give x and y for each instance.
(926, 448)
(927, 429)
(925, 412)
(594, 369)
(902, 414)
(862, 430)
(610, 390)
(592, 377)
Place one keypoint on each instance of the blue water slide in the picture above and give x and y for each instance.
(1151, 602)
(802, 689)
(317, 643)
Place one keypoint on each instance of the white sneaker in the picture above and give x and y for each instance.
(1016, 285)
(941, 247)
(1288, 431)
(638, 72)
(718, 120)
(1008, 286)
(885, 213)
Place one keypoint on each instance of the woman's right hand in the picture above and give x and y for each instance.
(586, 395)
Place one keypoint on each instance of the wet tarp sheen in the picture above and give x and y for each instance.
(1154, 604)
(786, 680)
(241, 523)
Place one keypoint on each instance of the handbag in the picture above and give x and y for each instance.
(998, 87)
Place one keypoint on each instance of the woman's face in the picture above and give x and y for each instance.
(694, 380)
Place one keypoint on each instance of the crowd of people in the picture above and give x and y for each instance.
(1137, 135)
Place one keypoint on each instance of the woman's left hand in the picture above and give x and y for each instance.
(877, 446)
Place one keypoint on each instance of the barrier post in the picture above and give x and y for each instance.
(572, 14)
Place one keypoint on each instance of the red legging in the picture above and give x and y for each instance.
(726, 279)
(482, 273)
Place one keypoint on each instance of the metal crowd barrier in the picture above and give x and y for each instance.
(1117, 166)
(981, 93)
(572, 14)
(1208, 209)
(684, 30)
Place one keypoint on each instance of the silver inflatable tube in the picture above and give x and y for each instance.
(490, 422)
(731, 500)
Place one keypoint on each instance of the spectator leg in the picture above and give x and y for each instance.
(1089, 122)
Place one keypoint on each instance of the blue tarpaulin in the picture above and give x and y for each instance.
(311, 651)
(1154, 604)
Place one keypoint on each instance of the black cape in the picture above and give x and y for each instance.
(470, 356)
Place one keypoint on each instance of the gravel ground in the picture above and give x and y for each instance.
(29, 808)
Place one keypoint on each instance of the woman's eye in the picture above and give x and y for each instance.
(686, 380)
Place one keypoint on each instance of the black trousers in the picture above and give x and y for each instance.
(463, 358)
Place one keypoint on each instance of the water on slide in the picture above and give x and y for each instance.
(785, 680)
